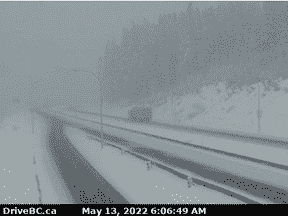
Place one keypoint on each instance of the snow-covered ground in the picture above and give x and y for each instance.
(24, 162)
(18, 183)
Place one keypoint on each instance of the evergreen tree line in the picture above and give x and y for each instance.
(239, 43)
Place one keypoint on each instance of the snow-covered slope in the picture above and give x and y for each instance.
(236, 110)
(180, 109)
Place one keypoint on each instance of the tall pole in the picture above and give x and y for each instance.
(101, 97)
(259, 109)
(32, 110)
(101, 104)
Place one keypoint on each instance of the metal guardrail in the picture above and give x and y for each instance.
(252, 137)
(229, 154)
(190, 176)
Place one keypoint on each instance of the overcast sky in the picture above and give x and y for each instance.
(67, 33)
(36, 37)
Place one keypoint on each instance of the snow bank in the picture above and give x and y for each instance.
(25, 165)
(18, 183)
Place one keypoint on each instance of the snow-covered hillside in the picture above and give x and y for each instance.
(178, 110)
(221, 108)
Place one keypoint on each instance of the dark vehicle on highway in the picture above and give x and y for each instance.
(140, 114)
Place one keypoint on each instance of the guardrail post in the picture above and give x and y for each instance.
(102, 143)
(149, 165)
(190, 182)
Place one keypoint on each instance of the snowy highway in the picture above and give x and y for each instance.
(41, 166)
(262, 174)
(143, 103)
(261, 152)
(59, 174)
(130, 176)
